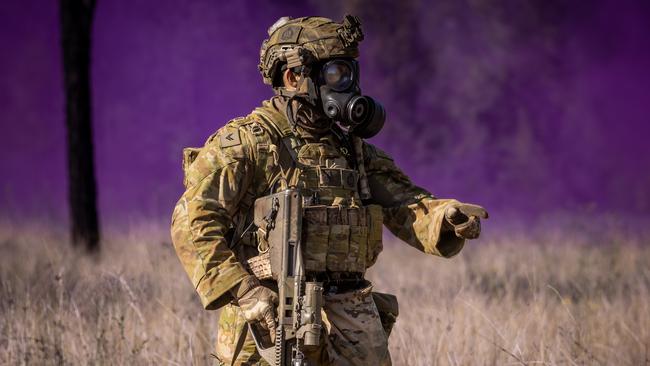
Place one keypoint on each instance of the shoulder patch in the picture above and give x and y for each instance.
(229, 137)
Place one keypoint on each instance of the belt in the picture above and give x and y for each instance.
(339, 282)
(330, 286)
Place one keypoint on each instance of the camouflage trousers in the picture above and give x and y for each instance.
(353, 334)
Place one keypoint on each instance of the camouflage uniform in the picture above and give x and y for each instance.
(234, 168)
(355, 334)
(245, 160)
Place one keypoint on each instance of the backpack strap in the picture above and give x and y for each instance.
(277, 118)
(276, 121)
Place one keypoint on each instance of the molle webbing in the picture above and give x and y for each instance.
(333, 215)
(340, 239)
(335, 239)
(330, 178)
(338, 236)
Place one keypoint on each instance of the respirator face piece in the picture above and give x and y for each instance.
(339, 74)
(342, 100)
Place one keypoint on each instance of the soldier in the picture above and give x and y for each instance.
(310, 136)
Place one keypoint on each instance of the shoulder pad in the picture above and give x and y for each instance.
(239, 121)
(253, 126)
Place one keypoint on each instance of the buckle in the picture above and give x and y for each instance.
(256, 129)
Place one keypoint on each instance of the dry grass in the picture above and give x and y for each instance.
(502, 302)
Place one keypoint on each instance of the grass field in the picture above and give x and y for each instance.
(504, 301)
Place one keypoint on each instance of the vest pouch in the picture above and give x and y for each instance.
(339, 242)
(375, 219)
(356, 259)
(316, 242)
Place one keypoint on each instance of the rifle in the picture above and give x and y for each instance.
(299, 323)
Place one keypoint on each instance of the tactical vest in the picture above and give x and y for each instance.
(339, 234)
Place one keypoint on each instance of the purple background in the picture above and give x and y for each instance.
(527, 107)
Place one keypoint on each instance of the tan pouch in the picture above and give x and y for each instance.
(356, 259)
(339, 242)
(315, 215)
(315, 238)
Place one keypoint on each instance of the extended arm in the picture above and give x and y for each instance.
(432, 225)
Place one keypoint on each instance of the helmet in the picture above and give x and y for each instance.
(302, 41)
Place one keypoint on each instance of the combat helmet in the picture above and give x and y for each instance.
(301, 41)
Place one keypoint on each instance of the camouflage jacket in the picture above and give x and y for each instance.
(237, 165)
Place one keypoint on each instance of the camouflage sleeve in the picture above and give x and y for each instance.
(411, 213)
(216, 182)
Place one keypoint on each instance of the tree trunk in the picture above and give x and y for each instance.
(76, 21)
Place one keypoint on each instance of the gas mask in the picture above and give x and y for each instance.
(341, 99)
(332, 89)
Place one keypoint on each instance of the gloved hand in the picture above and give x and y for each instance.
(465, 219)
(258, 305)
